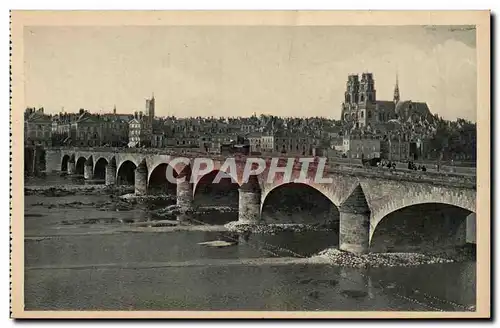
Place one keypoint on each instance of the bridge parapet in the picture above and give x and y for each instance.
(156, 156)
(434, 178)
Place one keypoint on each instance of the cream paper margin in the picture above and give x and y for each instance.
(20, 19)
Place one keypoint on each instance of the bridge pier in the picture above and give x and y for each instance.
(88, 169)
(29, 160)
(355, 223)
(71, 166)
(141, 179)
(184, 197)
(53, 160)
(249, 203)
(184, 193)
(457, 230)
(34, 161)
(471, 228)
(110, 174)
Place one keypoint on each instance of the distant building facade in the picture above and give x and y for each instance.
(267, 142)
(294, 143)
(37, 127)
(395, 149)
(140, 131)
(361, 147)
(255, 141)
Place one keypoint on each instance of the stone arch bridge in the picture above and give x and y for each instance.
(363, 196)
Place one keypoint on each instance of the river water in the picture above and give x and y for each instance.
(83, 254)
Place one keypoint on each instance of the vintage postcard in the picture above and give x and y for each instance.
(280, 164)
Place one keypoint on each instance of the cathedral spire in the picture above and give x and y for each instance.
(396, 90)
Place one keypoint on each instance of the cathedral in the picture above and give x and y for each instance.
(361, 109)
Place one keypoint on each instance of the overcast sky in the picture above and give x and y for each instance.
(236, 71)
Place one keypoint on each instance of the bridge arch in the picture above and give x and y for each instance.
(223, 192)
(90, 161)
(125, 173)
(158, 182)
(420, 226)
(100, 168)
(299, 203)
(462, 198)
(322, 188)
(122, 158)
(80, 165)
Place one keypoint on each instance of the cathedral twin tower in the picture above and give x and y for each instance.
(361, 107)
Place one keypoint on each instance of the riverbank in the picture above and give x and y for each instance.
(340, 258)
(162, 218)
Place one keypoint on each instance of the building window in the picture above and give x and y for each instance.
(362, 114)
(369, 114)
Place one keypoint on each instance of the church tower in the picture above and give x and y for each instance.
(396, 91)
(150, 107)
(351, 97)
(352, 89)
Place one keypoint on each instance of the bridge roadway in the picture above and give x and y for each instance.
(363, 196)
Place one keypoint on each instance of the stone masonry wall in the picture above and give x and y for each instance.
(354, 232)
(249, 206)
(53, 160)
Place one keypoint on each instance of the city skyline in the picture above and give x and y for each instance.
(239, 71)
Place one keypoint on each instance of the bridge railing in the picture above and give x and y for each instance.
(468, 181)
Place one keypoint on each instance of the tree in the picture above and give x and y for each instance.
(439, 142)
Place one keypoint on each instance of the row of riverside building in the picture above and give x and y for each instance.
(368, 128)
